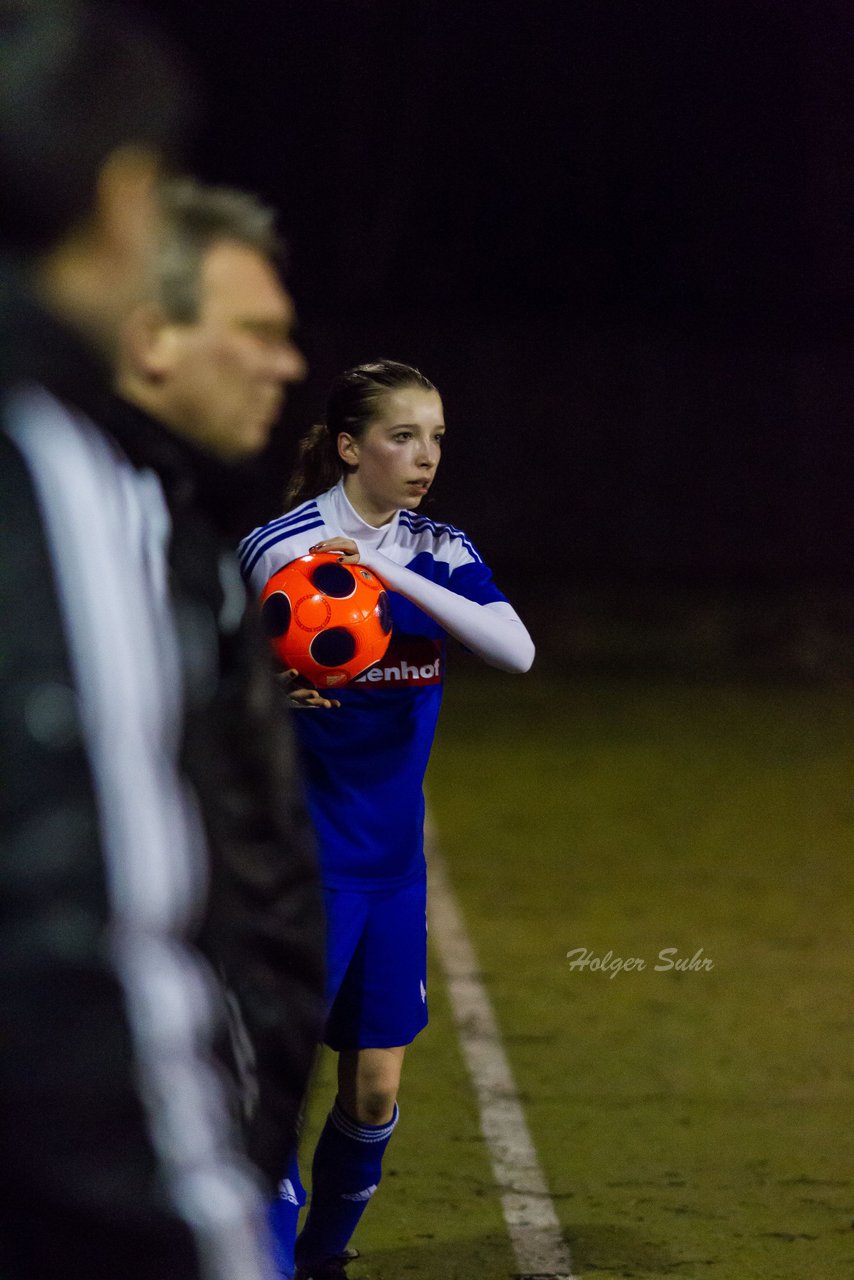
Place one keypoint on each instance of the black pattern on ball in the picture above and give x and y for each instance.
(334, 580)
(276, 614)
(333, 648)
(384, 612)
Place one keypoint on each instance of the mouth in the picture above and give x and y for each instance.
(418, 486)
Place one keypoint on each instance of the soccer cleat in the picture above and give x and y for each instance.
(331, 1269)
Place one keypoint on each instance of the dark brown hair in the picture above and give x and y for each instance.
(352, 406)
(78, 82)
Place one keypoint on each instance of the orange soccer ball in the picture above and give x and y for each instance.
(328, 620)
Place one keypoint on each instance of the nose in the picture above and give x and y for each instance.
(428, 455)
(290, 364)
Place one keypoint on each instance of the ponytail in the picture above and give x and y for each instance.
(317, 468)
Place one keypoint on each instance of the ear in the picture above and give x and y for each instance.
(147, 343)
(348, 449)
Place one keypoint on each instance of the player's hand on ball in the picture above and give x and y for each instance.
(327, 619)
(304, 695)
(348, 548)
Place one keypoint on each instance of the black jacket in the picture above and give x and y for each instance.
(90, 1184)
(264, 929)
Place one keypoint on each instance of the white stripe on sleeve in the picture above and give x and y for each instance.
(107, 527)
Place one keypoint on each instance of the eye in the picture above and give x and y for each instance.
(402, 436)
(269, 332)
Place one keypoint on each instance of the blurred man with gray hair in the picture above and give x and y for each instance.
(203, 371)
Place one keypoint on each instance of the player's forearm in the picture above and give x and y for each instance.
(494, 632)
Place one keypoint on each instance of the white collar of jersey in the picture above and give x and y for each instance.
(351, 524)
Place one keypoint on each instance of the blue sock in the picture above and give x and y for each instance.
(282, 1218)
(345, 1174)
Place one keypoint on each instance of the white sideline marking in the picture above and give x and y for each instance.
(528, 1210)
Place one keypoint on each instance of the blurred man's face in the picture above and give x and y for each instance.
(220, 379)
(100, 271)
(134, 225)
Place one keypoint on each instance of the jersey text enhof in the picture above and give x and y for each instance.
(411, 660)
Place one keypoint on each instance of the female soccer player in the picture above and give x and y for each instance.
(361, 477)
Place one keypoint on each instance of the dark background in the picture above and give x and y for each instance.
(614, 234)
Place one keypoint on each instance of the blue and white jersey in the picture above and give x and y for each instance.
(364, 762)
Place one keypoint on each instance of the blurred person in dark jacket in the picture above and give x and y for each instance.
(202, 372)
(119, 1153)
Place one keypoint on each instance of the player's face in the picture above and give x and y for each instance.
(227, 370)
(396, 458)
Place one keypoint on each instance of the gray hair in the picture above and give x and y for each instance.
(196, 217)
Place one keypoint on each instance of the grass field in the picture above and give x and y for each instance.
(690, 1123)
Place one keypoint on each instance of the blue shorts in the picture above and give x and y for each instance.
(376, 966)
